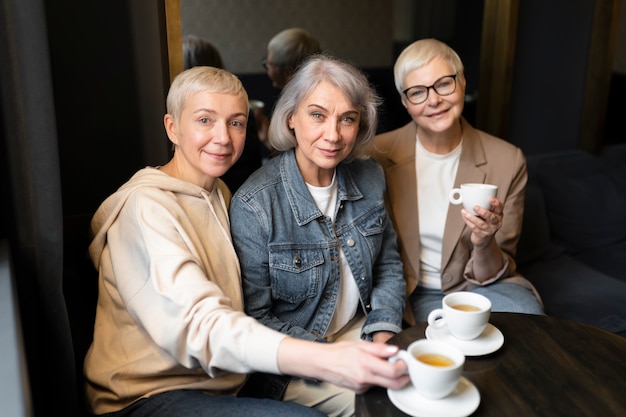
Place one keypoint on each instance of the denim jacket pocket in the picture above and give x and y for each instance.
(295, 273)
(372, 227)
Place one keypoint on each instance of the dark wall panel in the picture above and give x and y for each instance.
(550, 65)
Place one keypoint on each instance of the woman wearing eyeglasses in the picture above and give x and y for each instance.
(285, 52)
(444, 247)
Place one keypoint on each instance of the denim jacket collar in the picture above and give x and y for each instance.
(302, 205)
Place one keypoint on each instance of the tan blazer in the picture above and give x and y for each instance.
(484, 159)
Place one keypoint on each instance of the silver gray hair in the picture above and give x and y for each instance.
(343, 75)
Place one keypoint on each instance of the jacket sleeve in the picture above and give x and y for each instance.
(509, 234)
(168, 293)
(389, 288)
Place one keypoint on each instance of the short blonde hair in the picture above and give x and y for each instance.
(420, 53)
(202, 78)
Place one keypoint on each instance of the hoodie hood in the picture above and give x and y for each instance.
(146, 178)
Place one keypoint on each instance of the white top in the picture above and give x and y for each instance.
(348, 297)
(435, 178)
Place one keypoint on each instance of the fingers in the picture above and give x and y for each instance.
(384, 373)
(369, 365)
(486, 221)
(392, 375)
(386, 369)
(496, 205)
(382, 350)
(393, 383)
(483, 227)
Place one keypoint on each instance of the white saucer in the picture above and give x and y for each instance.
(463, 401)
(490, 340)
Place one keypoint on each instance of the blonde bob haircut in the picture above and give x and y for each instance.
(420, 53)
(343, 75)
(202, 79)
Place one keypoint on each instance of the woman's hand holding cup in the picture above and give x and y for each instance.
(435, 367)
(473, 194)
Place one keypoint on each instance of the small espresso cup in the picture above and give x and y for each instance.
(434, 366)
(473, 194)
(464, 313)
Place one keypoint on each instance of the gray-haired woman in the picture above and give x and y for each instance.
(318, 252)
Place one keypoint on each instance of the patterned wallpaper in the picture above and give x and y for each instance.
(362, 31)
(358, 30)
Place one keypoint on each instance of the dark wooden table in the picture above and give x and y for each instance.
(546, 367)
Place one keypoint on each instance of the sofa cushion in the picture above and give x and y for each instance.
(572, 290)
(585, 197)
(610, 260)
(535, 242)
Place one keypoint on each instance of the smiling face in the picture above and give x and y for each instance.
(326, 125)
(438, 114)
(209, 137)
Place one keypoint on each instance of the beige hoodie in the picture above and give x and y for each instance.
(169, 312)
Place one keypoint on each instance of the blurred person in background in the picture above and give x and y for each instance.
(285, 52)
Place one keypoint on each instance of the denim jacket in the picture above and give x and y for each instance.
(289, 251)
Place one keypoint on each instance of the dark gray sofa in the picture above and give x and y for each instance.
(573, 242)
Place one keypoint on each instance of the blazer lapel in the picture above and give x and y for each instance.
(402, 190)
(472, 158)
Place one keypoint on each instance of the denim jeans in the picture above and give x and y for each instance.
(504, 297)
(187, 403)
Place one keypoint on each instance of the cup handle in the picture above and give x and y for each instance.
(436, 318)
(453, 196)
(402, 354)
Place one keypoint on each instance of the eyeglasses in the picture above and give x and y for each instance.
(265, 63)
(444, 86)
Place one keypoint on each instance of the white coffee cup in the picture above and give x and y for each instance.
(434, 366)
(473, 194)
(464, 313)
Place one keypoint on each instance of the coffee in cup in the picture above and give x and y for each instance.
(473, 194)
(464, 313)
(434, 366)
